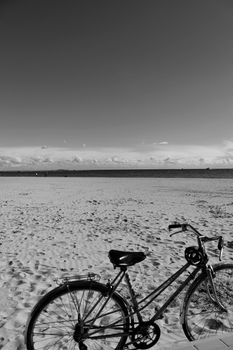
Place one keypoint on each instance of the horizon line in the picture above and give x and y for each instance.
(224, 173)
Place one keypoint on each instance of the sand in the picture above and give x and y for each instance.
(52, 227)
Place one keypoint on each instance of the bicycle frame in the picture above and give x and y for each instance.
(202, 266)
(136, 310)
(138, 305)
(135, 307)
(93, 311)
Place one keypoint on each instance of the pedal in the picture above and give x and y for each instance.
(82, 346)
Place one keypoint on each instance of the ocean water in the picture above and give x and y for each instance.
(148, 173)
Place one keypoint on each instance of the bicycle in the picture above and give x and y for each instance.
(84, 314)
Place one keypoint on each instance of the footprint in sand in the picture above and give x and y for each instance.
(155, 262)
(229, 244)
(3, 337)
(6, 303)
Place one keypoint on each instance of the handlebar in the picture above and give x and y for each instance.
(183, 227)
(200, 238)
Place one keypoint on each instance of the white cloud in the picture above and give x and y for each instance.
(77, 159)
(143, 156)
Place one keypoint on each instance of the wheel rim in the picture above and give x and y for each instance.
(79, 317)
(203, 316)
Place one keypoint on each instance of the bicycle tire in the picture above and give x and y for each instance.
(201, 316)
(67, 318)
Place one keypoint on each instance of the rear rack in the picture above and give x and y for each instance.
(91, 276)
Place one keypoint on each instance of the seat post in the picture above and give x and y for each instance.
(133, 297)
(123, 268)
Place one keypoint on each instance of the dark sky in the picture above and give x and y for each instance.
(116, 73)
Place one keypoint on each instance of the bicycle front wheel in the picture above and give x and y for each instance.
(201, 315)
(78, 315)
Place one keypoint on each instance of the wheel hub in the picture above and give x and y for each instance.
(79, 332)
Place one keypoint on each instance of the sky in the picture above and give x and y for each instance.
(116, 84)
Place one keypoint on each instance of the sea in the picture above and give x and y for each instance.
(134, 173)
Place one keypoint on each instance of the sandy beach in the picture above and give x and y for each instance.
(53, 227)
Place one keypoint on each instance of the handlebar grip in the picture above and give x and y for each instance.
(220, 243)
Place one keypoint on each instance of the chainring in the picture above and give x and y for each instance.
(146, 335)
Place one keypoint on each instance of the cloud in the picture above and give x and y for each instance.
(143, 156)
(77, 159)
(10, 161)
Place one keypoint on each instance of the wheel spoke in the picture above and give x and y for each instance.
(75, 314)
(202, 314)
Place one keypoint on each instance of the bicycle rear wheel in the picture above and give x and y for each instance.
(78, 315)
(201, 316)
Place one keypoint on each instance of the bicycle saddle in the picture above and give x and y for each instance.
(121, 258)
